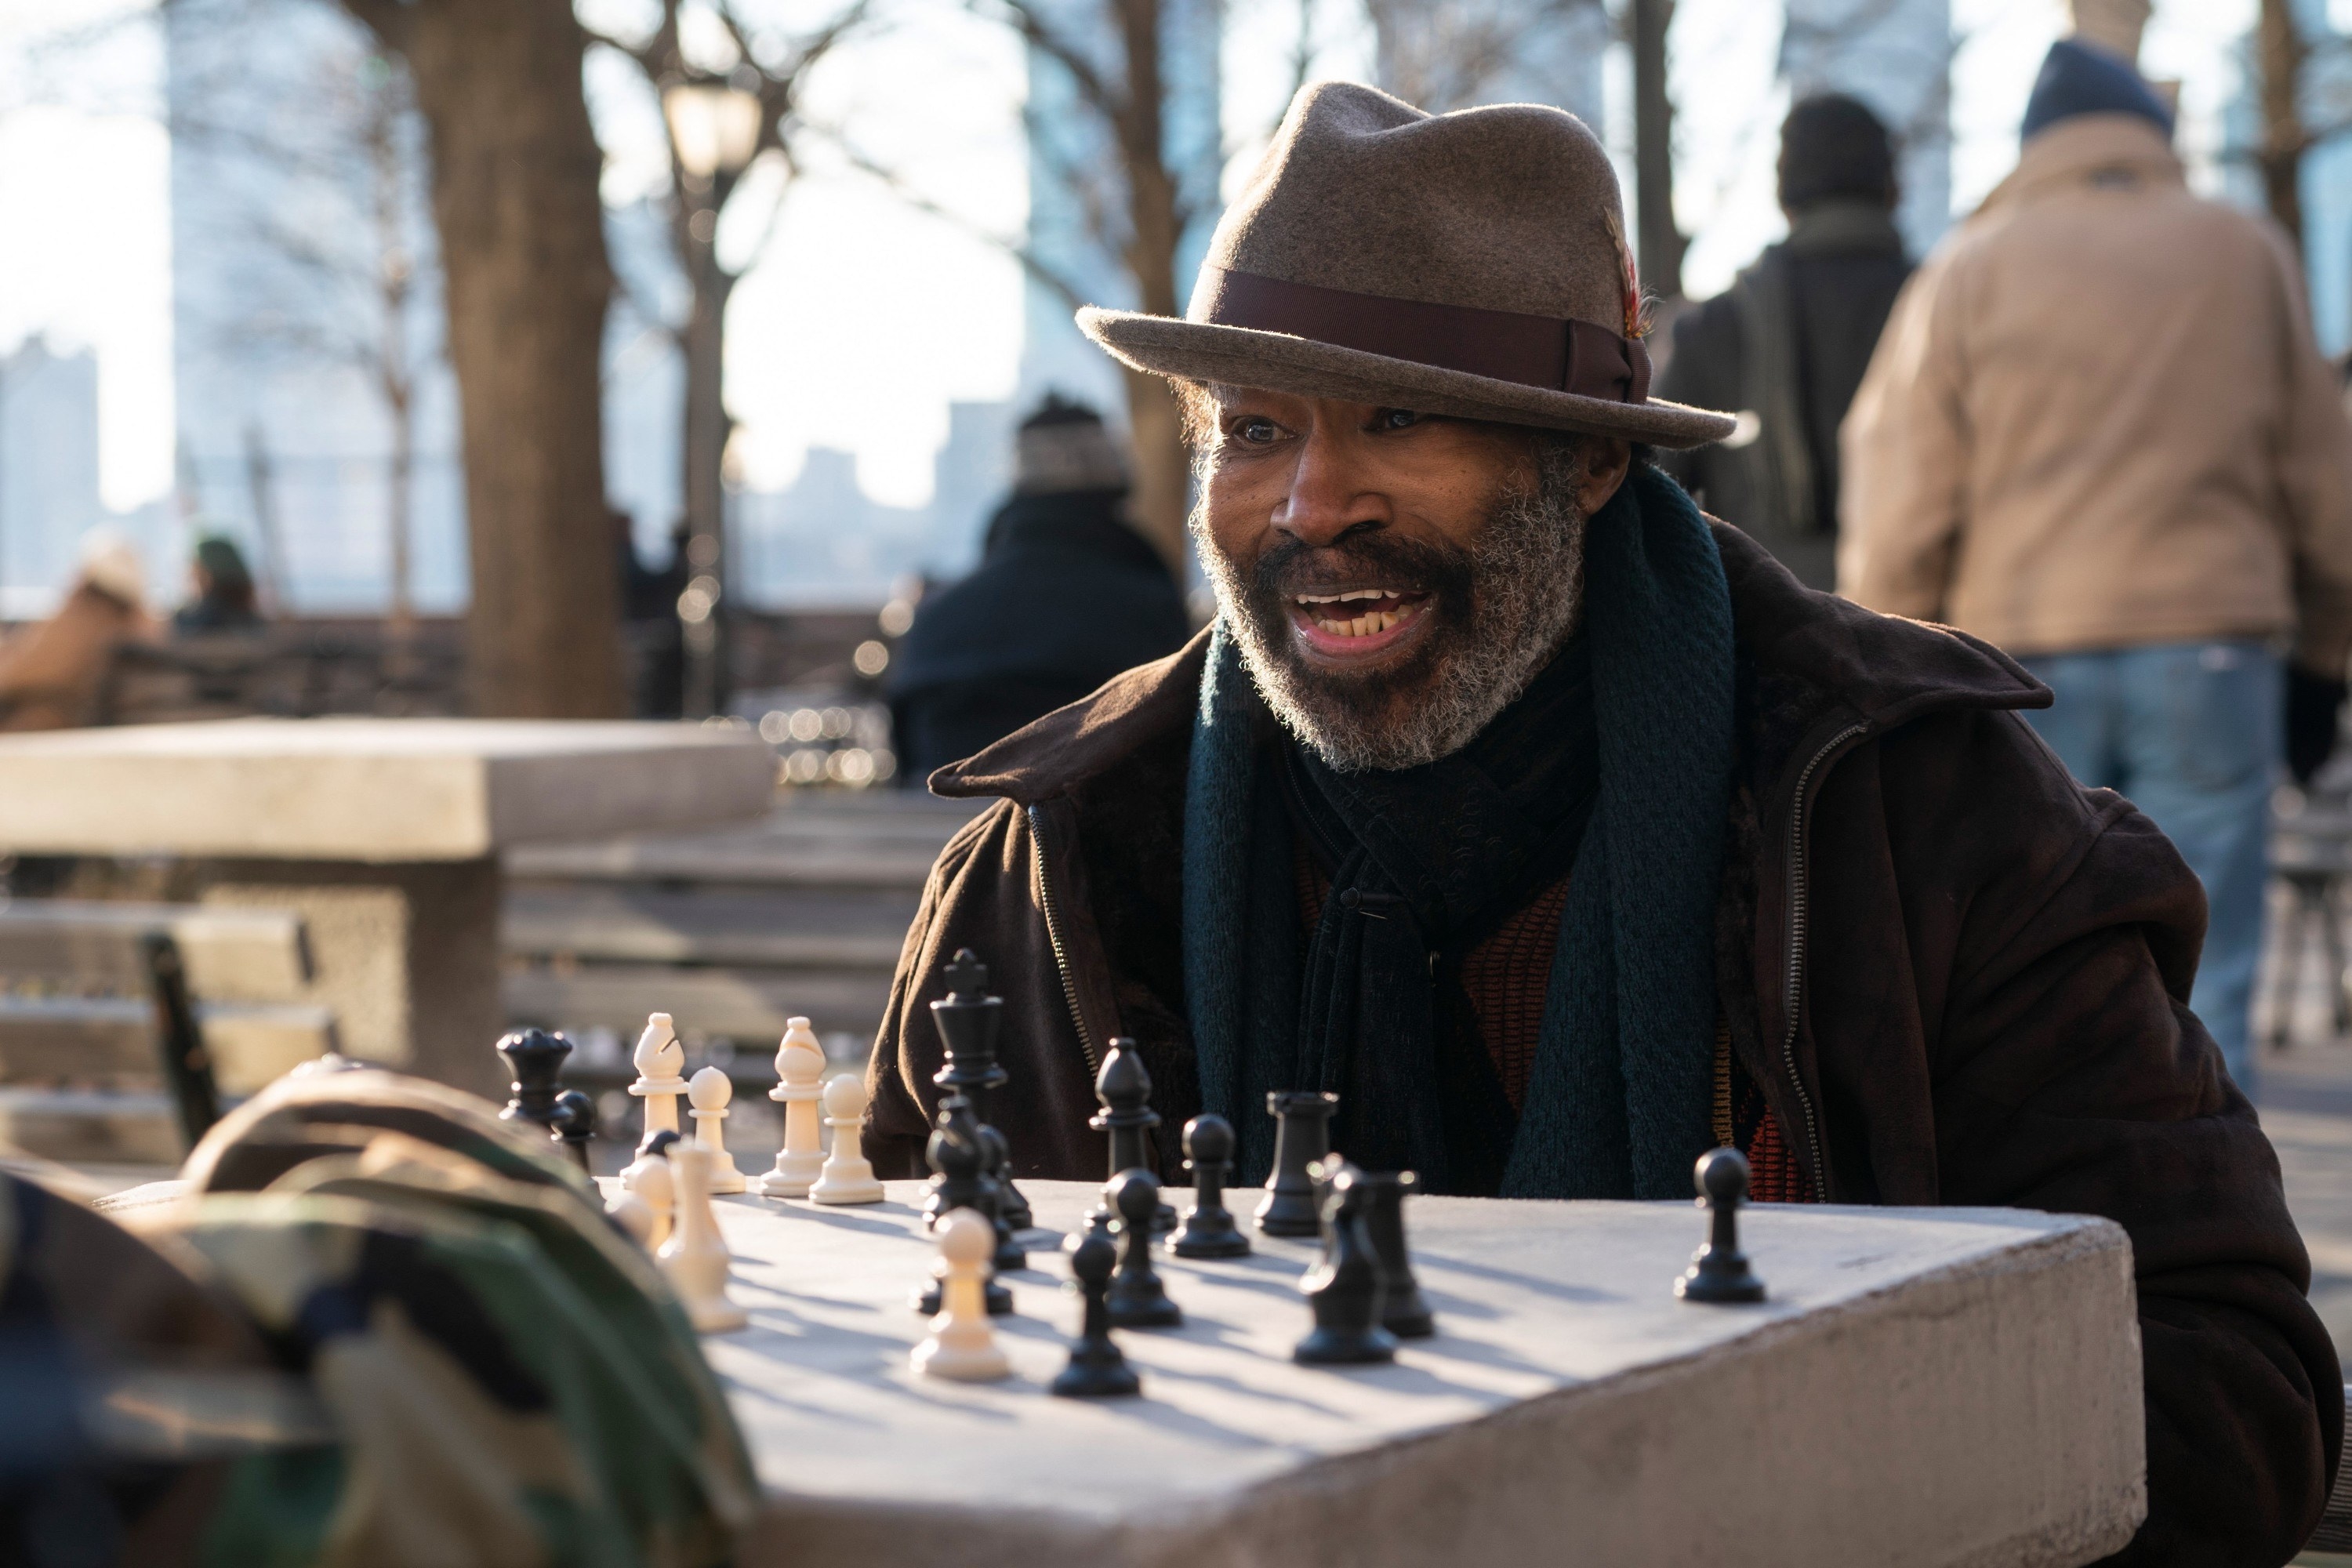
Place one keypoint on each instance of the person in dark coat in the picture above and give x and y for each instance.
(1066, 597)
(1787, 344)
(1567, 837)
(224, 599)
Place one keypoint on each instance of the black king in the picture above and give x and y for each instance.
(967, 1019)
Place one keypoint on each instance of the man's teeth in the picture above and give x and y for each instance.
(1349, 596)
(1362, 625)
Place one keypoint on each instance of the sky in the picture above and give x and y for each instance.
(861, 317)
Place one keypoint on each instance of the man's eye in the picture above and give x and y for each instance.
(1395, 419)
(1257, 432)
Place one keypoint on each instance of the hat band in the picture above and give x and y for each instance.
(1580, 357)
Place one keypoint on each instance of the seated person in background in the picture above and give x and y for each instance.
(49, 673)
(1066, 595)
(224, 600)
(1565, 836)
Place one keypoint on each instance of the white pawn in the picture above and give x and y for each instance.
(709, 1091)
(695, 1258)
(646, 1186)
(962, 1342)
(799, 1084)
(848, 1175)
(659, 1059)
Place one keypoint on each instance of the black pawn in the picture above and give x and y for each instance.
(1209, 1231)
(958, 1181)
(1403, 1311)
(1097, 1368)
(1124, 1088)
(1719, 1271)
(575, 1124)
(1010, 1254)
(1136, 1299)
(1302, 1136)
(967, 1019)
(1344, 1287)
(535, 1058)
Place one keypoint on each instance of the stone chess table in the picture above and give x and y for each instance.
(383, 833)
(1924, 1386)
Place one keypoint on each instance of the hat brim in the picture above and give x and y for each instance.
(1278, 362)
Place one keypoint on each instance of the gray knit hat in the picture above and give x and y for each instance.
(1470, 264)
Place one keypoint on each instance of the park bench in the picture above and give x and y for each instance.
(729, 930)
(286, 671)
(124, 1027)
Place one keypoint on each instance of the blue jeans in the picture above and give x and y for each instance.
(2190, 733)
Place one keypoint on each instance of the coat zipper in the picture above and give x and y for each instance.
(1799, 874)
(1051, 908)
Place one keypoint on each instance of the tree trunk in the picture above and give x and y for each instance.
(2281, 49)
(515, 172)
(1658, 243)
(704, 451)
(1163, 471)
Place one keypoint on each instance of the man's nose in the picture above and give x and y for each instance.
(1328, 498)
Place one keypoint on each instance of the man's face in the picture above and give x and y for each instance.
(1395, 580)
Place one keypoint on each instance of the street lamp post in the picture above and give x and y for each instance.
(714, 131)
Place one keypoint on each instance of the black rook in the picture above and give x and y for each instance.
(1302, 1136)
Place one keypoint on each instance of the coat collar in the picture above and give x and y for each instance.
(1883, 668)
(2085, 145)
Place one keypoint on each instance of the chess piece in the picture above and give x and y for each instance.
(1209, 1231)
(1010, 1254)
(1343, 1289)
(1124, 1088)
(1719, 1271)
(695, 1257)
(632, 1214)
(1097, 1368)
(847, 1177)
(1302, 1136)
(647, 1179)
(709, 1091)
(962, 1342)
(960, 1181)
(573, 1125)
(659, 1059)
(535, 1058)
(1136, 1299)
(967, 1019)
(1404, 1312)
(800, 1085)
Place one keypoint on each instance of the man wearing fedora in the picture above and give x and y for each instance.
(1565, 836)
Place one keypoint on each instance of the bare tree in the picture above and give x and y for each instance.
(1444, 54)
(770, 69)
(515, 171)
(338, 237)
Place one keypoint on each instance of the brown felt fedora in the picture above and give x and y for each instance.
(1472, 264)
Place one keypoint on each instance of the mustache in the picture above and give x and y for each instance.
(1288, 566)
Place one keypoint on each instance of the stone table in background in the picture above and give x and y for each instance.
(385, 834)
(1924, 1387)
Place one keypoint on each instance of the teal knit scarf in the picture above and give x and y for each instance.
(1617, 1101)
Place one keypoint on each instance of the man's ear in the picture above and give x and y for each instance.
(1602, 462)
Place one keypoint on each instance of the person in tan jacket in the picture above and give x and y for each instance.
(49, 673)
(2098, 433)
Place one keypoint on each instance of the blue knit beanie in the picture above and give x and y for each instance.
(2082, 78)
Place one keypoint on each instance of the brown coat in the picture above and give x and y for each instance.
(2097, 419)
(49, 673)
(1994, 968)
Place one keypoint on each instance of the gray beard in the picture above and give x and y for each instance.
(1525, 577)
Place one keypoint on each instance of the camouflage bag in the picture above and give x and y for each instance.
(500, 1377)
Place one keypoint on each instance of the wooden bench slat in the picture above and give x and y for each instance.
(846, 932)
(228, 953)
(743, 1008)
(92, 1127)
